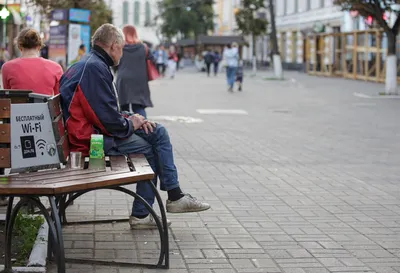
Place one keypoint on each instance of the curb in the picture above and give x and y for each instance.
(38, 256)
(27, 269)
(39, 250)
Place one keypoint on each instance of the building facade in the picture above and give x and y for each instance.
(225, 22)
(141, 14)
(225, 25)
(295, 19)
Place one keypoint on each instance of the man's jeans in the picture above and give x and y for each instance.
(157, 149)
(230, 75)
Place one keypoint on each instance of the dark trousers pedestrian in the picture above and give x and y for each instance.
(161, 69)
(135, 108)
(208, 65)
(216, 66)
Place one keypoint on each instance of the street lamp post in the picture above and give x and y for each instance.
(4, 13)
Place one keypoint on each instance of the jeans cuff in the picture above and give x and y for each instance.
(163, 188)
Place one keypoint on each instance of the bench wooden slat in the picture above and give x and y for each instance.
(140, 163)
(12, 189)
(5, 108)
(63, 149)
(5, 158)
(101, 182)
(119, 163)
(54, 106)
(65, 178)
(5, 133)
(73, 186)
(58, 128)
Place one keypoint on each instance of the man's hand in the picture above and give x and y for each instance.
(148, 127)
(138, 121)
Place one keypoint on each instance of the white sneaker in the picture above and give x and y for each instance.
(186, 204)
(145, 223)
(3, 201)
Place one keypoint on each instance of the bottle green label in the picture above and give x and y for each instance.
(96, 146)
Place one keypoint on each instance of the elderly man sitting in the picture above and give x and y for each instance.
(90, 105)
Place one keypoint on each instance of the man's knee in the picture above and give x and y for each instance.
(161, 132)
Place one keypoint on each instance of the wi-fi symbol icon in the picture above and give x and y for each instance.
(41, 144)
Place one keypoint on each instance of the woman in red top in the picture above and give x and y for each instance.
(31, 72)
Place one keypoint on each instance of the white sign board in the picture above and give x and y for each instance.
(32, 138)
(74, 41)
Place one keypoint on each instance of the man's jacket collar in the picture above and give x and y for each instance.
(103, 55)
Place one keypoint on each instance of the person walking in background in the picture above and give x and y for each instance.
(31, 72)
(217, 60)
(81, 53)
(208, 59)
(172, 60)
(239, 75)
(44, 52)
(231, 57)
(179, 55)
(161, 60)
(132, 80)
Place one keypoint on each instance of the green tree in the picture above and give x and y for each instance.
(249, 21)
(100, 13)
(188, 18)
(377, 9)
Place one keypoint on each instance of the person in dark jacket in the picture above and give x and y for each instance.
(209, 59)
(217, 60)
(132, 82)
(90, 106)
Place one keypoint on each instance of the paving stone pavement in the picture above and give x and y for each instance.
(307, 182)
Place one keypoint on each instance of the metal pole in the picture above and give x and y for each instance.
(4, 28)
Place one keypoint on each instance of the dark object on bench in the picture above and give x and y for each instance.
(63, 185)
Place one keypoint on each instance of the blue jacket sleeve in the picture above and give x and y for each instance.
(97, 86)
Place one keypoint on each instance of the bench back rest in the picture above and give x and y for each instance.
(11, 97)
(60, 133)
(8, 97)
(5, 135)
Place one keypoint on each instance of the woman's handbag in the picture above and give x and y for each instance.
(152, 73)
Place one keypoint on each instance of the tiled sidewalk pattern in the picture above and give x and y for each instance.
(307, 182)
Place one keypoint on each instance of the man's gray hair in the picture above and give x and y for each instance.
(107, 34)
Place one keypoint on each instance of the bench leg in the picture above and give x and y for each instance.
(161, 225)
(165, 225)
(54, 237)
(59, 242)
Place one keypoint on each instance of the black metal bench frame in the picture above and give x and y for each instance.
(56, 218)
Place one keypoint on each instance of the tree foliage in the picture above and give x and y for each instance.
(100, 13)
(376, 9)
(247, 21)
(187, 17)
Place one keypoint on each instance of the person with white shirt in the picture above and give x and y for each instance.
(231, 58)
(161, 60)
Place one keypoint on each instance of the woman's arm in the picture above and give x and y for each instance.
(59, 72)
(4, 75)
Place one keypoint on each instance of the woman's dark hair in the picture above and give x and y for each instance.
(29, 38)
(229, 46)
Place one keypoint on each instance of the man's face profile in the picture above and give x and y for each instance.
(116, 51)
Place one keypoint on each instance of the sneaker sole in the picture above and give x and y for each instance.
(187, 211)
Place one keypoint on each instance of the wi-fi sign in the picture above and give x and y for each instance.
(41, 144)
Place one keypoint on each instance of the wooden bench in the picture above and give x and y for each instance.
(62, 185)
